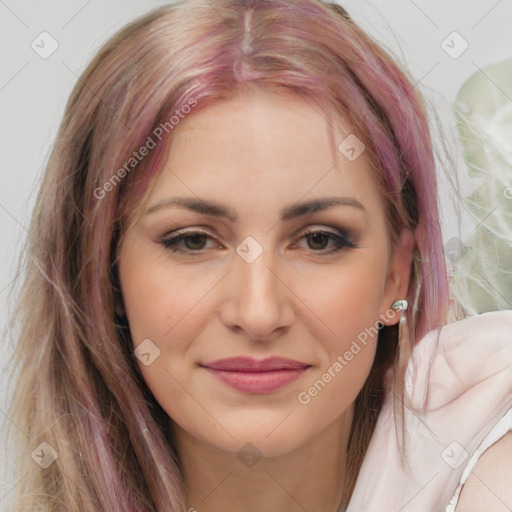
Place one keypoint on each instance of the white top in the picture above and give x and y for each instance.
(458, 403)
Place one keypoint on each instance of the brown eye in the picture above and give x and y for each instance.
(187, 242)
(195, 242)
(328, 242)
(318, 241)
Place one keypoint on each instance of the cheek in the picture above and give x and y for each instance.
(164, 306)
(348, 299)
(157, 298)
(347, 307)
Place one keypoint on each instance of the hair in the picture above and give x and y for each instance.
(78, 387)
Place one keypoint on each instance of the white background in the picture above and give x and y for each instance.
(33, 90)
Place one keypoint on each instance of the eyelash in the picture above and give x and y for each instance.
(342, 241)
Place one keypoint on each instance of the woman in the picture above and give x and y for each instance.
(235, 253)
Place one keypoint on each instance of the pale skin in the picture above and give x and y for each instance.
(488, 485)
(255, 154)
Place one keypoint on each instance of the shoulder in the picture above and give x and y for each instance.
(488, 486)
(469, 357)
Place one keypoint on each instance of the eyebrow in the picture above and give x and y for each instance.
(214, 208)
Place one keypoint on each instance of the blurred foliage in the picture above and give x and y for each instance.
(482, 271)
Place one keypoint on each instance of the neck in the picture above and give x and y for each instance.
(310, 477)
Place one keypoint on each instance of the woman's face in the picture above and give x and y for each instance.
(222, 266)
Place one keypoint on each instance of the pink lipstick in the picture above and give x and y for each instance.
(252, 376)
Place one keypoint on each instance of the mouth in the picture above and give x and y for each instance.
(252, 376)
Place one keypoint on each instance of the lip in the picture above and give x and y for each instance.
(253, 376)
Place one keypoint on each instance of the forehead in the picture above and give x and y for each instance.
(275, 147)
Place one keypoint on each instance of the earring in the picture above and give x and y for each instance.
(404, 344)
(404, 353)
(403, 328)
(400, 305)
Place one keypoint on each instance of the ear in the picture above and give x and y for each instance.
(397, 280)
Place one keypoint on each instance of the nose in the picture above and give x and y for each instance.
(258, 301)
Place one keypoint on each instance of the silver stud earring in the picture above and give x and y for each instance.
(400, 305)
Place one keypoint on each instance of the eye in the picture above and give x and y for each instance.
(319, 241)
(193, 241)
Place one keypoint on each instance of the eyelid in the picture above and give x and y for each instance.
(345, 233)
(187, 231)
(343, 238)
(342, 233)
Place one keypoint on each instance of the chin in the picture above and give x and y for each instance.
(269, 437)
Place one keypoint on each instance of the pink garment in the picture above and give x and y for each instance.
(465, 384)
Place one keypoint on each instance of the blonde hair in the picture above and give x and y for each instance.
(77, 387)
